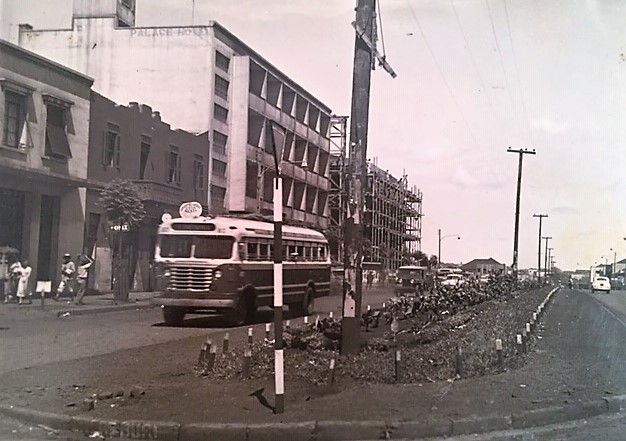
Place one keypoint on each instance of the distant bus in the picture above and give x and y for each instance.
(225, 265)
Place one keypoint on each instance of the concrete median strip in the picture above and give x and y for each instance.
(320, 430)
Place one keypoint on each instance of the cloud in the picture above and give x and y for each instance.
(565, 210)
(550, 125)
(477, 177)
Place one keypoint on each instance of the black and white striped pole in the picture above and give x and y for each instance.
(279, 373)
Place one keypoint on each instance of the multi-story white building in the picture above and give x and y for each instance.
(204, 79)
(44, 129)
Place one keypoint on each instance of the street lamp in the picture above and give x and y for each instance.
(442, 238)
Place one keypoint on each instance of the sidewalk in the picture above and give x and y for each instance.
(94, 304)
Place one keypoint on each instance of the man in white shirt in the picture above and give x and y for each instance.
(67, 273)
(84, 263)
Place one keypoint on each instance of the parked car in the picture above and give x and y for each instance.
(601, 284)
(453, 280)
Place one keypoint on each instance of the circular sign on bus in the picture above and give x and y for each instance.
(190, 209)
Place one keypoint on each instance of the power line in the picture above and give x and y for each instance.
(495, 36)
(445, 82)
(519, 83)
(471, 55)
(380, 24)
(443, 78)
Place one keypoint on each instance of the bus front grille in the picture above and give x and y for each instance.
(189, 278)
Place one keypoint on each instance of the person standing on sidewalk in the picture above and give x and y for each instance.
(23, 294)
(68, 268)
(14, 276)
(84, 263)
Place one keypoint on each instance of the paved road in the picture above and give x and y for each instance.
(33, 337)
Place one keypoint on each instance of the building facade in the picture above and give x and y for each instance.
(44, 124)
(167, 167)
(205, 80)
(484, 266)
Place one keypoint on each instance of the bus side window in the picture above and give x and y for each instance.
(264, 252)
(252, 251)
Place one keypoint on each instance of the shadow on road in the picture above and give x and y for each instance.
(264, 315)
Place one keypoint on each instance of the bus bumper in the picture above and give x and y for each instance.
(195, 303)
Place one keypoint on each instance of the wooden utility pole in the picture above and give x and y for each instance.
(521, 153)
(540, 216)
(364, 54)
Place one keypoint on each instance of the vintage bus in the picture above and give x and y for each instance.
(225, 265)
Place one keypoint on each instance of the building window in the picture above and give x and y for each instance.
(218, 195)
(222, 61)
(198, 172)
(221, 87)
(220, 113)
(146, 143)
(219, 168)
(111, 152)
(219, 142)
(57, 145)
(14, 118)
(173, 166)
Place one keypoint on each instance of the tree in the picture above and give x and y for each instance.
(124, 211)
(433, 261)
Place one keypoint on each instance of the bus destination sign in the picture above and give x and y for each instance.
(190, 209)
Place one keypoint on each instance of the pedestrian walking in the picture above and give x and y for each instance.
(370, 279)
(14, 276)
(84, 263)
(68, 269)
(23, 293)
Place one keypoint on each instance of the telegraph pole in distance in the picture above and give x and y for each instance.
(540, 216)
(545, 266)
(364, 54)
(521, 153)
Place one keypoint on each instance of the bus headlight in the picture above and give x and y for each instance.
(399, 280)
(167, 273)
(412, 281)
(217, 274)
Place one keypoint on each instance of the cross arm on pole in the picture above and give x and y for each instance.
(381, 58)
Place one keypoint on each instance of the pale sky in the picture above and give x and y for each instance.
(474, 78)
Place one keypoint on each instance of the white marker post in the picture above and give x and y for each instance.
(279, 374)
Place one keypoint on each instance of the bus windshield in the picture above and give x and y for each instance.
(205, 247)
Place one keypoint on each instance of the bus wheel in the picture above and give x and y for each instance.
(308, 303)
(173, 316)
(243, 313)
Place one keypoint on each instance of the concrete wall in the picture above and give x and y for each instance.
(165, 68)
(239, 132)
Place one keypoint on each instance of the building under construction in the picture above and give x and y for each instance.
(393, 210)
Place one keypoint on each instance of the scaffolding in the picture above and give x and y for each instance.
(338, 188)
(393, 218)
(393, 210)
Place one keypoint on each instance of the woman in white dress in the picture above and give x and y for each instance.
(22, 285)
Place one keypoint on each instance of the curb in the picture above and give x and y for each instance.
(319, 430)
(98, 309)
